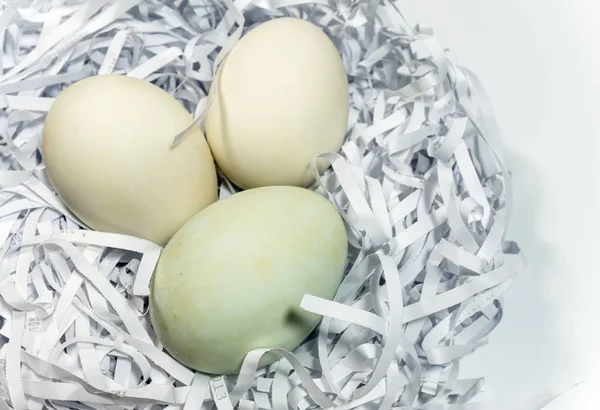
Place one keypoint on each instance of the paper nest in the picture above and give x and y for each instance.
(419, 181)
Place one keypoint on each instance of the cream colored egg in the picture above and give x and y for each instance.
(106, 147)
(281, 98)
(232, 278)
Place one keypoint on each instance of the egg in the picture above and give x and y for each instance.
(232, 278)
(107, 150)
(279, 99)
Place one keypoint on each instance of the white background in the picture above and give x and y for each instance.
(540, 63)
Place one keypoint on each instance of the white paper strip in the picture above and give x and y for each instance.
(419, 182)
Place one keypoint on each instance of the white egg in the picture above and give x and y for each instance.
(281, 98)
(106, 147)
(232, 278)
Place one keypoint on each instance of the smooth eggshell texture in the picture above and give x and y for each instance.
(106, 147)
(281, 98)
(232, 278)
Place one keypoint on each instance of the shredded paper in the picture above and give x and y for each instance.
(420, 183)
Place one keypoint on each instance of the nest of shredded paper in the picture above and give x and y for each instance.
(419, 182)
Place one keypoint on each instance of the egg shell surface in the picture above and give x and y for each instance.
(280, 98)
(107, 150)
(232, 278)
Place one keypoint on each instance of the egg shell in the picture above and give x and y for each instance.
(232, 278)
(107, 150)
(280, 98)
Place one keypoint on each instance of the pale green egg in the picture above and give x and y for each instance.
(232, 278)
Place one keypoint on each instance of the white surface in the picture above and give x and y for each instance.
(539, 62)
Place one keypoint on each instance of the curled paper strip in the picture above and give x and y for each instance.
(419, 182)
